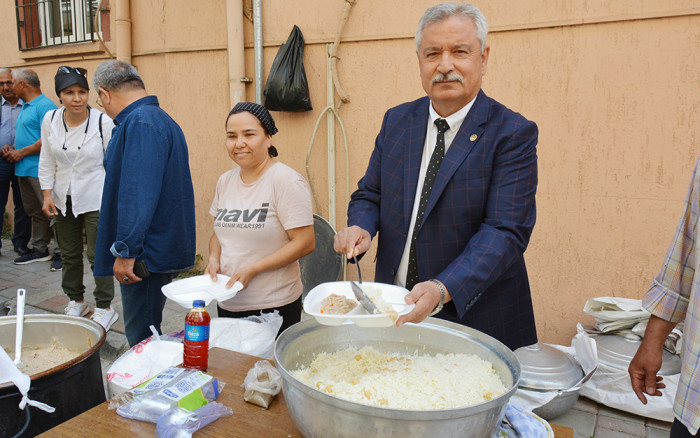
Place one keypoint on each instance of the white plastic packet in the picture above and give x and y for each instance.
(10, 373)
(181, 423)
(175, 387)
(262, 383)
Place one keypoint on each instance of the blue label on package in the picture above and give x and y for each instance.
(196, 333)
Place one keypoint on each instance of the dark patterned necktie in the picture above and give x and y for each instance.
(430, 174)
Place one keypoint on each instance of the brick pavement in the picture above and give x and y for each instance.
(44, 295)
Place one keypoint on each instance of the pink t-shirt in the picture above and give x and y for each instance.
(250, 223)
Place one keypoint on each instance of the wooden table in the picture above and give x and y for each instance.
(248, 420)
(562, 431)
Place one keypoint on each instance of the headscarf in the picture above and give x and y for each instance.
(260, 112)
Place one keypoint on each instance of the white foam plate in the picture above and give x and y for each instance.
(392, 294)
(200, 287)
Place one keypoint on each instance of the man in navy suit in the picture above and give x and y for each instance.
(465, 261)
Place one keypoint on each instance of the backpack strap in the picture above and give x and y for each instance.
(53, 114)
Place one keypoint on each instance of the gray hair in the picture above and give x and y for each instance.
(4, 70)
(445, 10)
(27, 76)
(114, 75)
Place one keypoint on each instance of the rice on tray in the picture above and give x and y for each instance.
(422, 382)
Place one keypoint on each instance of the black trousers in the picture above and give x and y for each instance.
(291, 313)
(678, 430)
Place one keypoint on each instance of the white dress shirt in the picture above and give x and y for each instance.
(455, 121)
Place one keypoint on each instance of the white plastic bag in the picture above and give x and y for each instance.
(10, 373)
(612, 387)
(262, 383)
(143, 361)
(181, 423)
(254, 335)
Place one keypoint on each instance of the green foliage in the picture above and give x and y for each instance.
(196, 269)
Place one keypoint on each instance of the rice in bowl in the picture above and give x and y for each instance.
(403, 381)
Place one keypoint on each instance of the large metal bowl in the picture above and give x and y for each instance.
(558, 406)
(321, 415)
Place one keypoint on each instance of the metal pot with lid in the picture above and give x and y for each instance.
(617, 351)
(545, 368)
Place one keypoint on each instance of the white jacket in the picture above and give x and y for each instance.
(86, 175)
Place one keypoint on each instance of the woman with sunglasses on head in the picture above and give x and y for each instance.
(263, 221)
(74, 139)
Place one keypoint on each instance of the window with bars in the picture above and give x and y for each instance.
(42, 23)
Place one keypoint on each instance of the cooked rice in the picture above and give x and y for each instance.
(37, 359)
(375, 295)
(398, 381)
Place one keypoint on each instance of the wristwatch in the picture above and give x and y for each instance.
(442, 296)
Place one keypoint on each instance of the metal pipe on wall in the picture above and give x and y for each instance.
(123, 29)
(330, 120)
(236, 54)
(258, 47)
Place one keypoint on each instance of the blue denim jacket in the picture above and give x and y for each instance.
(148, 201)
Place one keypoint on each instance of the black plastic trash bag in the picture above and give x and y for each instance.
(286, 88)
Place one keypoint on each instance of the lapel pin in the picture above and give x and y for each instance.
(473, 137)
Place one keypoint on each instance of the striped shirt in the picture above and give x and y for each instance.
(675, 296)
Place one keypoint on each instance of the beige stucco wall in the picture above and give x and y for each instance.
(611, 85)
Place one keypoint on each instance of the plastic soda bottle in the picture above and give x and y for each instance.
(196, 348)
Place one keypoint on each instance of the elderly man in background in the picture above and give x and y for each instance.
(673, 297)
(146, 233)
(25, 155)
(450, 189)
(10, 106)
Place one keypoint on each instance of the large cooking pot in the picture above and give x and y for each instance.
(72, 387)
(544, 369)
(321, 415)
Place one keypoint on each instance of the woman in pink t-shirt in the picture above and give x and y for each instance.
(263, 221)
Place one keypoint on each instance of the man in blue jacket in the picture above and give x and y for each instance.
(146, 233)
(450, 189)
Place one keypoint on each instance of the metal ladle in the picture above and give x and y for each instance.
(360, 294)
(19, 327)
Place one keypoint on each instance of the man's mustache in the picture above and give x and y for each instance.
(442, 77)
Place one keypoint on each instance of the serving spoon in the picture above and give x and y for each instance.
(360, 294)
(19, 327)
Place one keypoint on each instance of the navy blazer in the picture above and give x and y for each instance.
(478, 220)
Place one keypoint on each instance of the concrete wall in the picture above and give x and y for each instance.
(613, 87)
